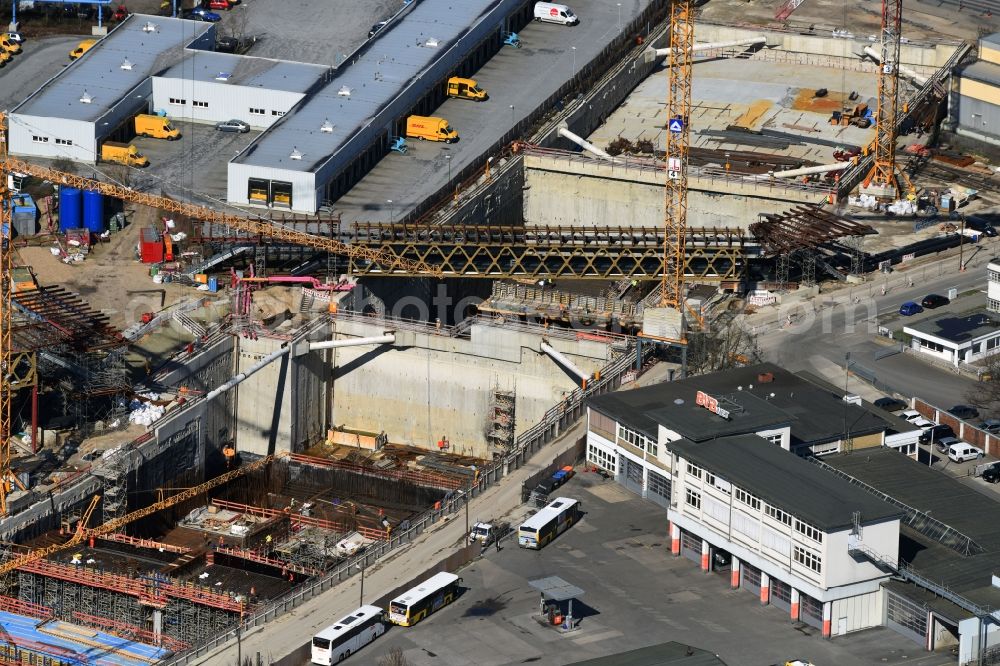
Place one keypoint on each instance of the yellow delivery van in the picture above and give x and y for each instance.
(430, 128)
(465, 89)
(156, 127)
(123, 153)
(82, 48)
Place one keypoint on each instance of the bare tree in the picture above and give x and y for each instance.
(394, 658)
(720, 346)
(986, 394)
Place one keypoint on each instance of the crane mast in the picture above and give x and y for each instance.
(882, 179)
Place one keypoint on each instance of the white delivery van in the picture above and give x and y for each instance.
(553, 13)
(961, 452)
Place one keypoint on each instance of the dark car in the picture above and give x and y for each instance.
(890, 404)
(202, 14)
(375, 28)
(991, 426)
(910, 308)
(936, 433)
(932, 301)
(992, 473)
(964, 412)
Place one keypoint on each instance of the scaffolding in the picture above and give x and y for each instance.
(500, 421)
(114, 474)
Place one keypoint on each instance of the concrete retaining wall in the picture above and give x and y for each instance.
(586, 192)
(427, 385)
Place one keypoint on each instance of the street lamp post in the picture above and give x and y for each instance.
(619, 17)
(574, 60)
(512, 116)
(448, 158)
(389, 201)
(361, 601)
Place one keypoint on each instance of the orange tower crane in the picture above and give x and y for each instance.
(882, 178)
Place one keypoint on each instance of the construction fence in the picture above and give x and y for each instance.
(555, 421)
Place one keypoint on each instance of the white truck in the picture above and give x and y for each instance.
(351, 544)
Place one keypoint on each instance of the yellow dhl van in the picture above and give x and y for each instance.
(430, 128)
(123, 153)
(156, 127)
(465, 89)
(9, 45)
(82, 48)
(5, 58)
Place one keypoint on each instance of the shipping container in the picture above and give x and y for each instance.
(150, 246)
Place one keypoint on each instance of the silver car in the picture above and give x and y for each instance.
(233, 126)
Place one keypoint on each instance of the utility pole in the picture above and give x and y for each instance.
(361, 601)
(961, 248)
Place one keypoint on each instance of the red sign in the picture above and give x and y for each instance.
(711, 404)
(553, 12)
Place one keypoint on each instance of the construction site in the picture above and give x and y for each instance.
(208, 407)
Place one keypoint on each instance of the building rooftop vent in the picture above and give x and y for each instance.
(295, 155)
(126, 64)
(344, 91)
(222, 76)
(149, 27)
(327, 126)
(432, 43)
(86, 97)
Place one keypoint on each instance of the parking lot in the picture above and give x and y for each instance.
(636, 594)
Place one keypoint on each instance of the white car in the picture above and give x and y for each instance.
(923, 423)
(961, 452)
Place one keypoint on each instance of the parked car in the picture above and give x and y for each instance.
(910, 415)
(233, 126)
(932, 301)
(202, 14)
(936, 433)
(923, 423)
(221, 5)
(992, 473)
(962, 452)
(945, 443)
(991, 426)
(910, 308)
(375, 28)
(964, 412)
(890, 404)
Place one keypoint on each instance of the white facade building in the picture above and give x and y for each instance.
(993, 287)
(957, 338)
(788, 528)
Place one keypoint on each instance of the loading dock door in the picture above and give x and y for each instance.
(691, 547)
(658, 488)
(281, 194)
(811, 611)
(751, 579)
(633, 476)
(906, 617)
(259, 191)
(781, 595)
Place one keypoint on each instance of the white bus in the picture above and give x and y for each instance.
(417, 603)
(545, 525)
(339, 641)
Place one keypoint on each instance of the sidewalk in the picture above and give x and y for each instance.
(290, 631)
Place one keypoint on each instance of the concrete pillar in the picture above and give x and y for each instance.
(795, 605)
(827, 619)
(706, 556)
(765, 589)
(734, 573)
(675, 539)
(645, 480)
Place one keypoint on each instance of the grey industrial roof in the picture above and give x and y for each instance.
(786, 480)
(945, 498)
(814, 410)
(664, 654)
(377, 75)
(99, 72)
(556, 589)
(246, 71)
(986, 72)
(958, 328)
(992, 39)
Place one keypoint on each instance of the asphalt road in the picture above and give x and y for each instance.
(817, 338)
(517, 80)
(635, 594)
(40, 60)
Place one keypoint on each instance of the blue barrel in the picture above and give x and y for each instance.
(93, 211)
(213, 285)
(70, 208)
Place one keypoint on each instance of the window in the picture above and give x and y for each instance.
(178, 101)
(994, 276)
(637, 440)
(992, 304)
(808, 531)
(717, 483)
(201, 105)
(602, 459)
(63, 142)
(694, 471)
(692, 498)
(658, 484)
(774, 439)
(277, 113)
(807, 558)
(39, 139)
(993, 343)
(778, 514)
(257, 112)
(751, 501)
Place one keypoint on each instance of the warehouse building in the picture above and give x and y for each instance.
(95, 98)
(790, 530)
(978, 98)
(317, 152)
(211, 87)
(630, 433)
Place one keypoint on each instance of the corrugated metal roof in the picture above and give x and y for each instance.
(380, 73)
(985, 72)
(991, 39)
(99, 72)
(246, 71)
